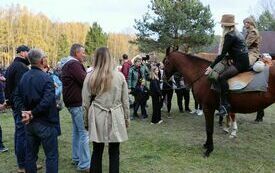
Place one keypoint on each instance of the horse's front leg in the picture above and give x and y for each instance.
(209, 121)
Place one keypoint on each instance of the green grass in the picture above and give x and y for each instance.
(172, 147)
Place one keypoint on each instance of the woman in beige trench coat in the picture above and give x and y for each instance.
(106, 109)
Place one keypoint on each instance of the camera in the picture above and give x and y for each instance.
(146, 58)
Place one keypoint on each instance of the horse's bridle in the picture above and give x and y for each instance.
(188, 85)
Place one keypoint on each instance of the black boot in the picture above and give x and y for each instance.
(228, 73)
(224, 108)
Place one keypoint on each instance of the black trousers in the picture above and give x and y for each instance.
(183, 93)
(169, 94)
(96, 161)
(140, 101)
(197, 105)
(228, 73)
(156, 102)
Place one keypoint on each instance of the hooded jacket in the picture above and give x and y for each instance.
(72, 76)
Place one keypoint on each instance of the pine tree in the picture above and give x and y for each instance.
(266, 21)
(174, 22)
(95, 38)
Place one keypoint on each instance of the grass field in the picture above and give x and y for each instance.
(174, 146)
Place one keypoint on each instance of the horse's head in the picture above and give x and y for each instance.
(190, 66)
(169, 68)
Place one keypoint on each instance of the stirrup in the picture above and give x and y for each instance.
(223, 111)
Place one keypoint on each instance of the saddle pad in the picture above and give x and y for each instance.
(259, 82)
(240, 81)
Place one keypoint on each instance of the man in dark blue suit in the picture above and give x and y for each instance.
(35, 96)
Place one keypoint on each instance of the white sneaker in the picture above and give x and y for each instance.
(160, 121)
(199, 113)
(3, 149)
(194, 111)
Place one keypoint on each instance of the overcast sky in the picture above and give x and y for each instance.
(119, 15)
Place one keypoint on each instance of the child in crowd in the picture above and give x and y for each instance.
(156, 96)
(141, 96)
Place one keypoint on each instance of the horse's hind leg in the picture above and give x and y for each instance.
(209, 119)
(228, 123)
(233, 133)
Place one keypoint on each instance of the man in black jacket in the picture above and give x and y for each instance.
(36, 99)
(13, 75)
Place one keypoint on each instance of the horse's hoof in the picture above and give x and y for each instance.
(232, 136)
(226, 130)
(205, 146)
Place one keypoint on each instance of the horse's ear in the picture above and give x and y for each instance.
(168, 51)
(164, 60)
(176, 48)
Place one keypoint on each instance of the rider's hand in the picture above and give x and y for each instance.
(208, 70)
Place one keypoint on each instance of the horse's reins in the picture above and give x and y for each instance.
(187, 85)
(198, 78)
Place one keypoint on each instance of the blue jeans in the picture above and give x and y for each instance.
(36, 134)
(19, 139)
(80, 139)
(1, 142)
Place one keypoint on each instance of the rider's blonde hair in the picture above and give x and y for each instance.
(101, 79)
(226, 29)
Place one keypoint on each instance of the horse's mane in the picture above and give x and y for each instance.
(194, 57)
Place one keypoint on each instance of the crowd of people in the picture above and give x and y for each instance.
(99, 99)
(36, 93)
(146, 79)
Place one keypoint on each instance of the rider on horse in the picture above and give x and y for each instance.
(234, 45)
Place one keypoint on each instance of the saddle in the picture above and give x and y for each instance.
(240, 81)
(250, 81)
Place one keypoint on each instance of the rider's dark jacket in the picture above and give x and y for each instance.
(235, 46)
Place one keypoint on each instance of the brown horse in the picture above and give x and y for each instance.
(193, 68)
